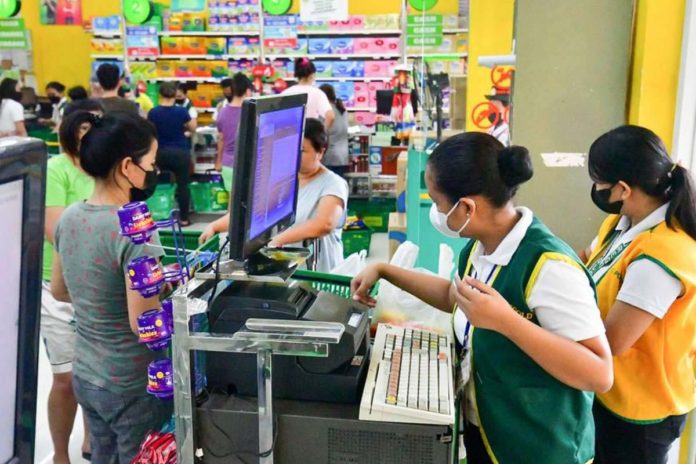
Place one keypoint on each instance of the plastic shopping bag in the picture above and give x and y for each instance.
(352, 265)
(397, 307)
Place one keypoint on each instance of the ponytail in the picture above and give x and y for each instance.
(682, 207)
(69, 132)
(340, 106)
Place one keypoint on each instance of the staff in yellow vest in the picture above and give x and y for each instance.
(644, 264)
(538, 348)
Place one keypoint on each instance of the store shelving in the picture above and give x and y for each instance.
(213, 80)
(363, 32)
(107, 57)
(108, 35)
(209, 34)
(362, 109)
(444, 55)
(335, 56)
(456, 31)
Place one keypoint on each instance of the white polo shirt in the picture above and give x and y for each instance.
(646, 285)
(562, 297)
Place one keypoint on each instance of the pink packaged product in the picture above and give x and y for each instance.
(365, 118)
(357, 22)
(362, 45)
(379, 68)
(392, 45)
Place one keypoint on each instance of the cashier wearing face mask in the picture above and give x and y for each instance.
(530, 339)
(643, 264)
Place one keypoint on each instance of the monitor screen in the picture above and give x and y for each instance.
(11, 212)
(275, 174)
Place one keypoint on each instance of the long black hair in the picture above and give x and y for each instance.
(112, 138)
(315, 132)
(8, 89)
(331, 95)
(637, 156)
(474, 163)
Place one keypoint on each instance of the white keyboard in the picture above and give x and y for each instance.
(410, 378)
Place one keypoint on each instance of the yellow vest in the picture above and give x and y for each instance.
(654, 378)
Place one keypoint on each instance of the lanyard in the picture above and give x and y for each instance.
(467, 329)
(608, 258)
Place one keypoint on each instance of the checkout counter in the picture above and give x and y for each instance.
(315, 413)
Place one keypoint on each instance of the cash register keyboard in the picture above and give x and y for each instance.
(410, 378)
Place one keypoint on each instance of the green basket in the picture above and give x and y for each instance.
(357, 240)
(162, 201)
(374, 213)
(209, 197)
(331, 283)
(190, 243)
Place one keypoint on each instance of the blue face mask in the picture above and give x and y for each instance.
(439, 222)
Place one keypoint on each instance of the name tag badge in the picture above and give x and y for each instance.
(464, 369)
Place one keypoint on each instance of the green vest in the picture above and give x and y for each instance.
(526, 415)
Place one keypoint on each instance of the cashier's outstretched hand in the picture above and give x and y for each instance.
(483, 306)
(362, 283)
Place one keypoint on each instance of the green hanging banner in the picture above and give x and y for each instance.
(137, 11)
(422, 5)
(9, 8)
(276, 7)
(424, 30)
(13, 34)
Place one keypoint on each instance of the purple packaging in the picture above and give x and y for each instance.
(342, 45)
(146, 276)
(160, 381)
(168, 308)
(136, 222)
(154, 329)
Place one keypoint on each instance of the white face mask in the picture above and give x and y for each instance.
(439, 221)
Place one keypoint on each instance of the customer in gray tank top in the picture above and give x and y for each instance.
(336, 157)
(321, 203)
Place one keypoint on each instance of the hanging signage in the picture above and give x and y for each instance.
(137, 11)
(9, 8)
(13, 35)
(280, 33)
(142, 41)
(188, 5)
(424, 30)
(323, 10)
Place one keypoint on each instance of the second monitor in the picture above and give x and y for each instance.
(269, 150)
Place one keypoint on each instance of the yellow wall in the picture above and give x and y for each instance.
(656, 61)
(62, 53)
(490, 33)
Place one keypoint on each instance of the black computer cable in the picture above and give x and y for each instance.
(217, 272)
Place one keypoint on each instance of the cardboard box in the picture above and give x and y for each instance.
(396, 231)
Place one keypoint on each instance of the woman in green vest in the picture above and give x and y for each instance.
(530, 338)
(643, 264)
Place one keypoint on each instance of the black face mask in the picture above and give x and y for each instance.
(229, 98)
(180, 101)
(54, 99)
(601, 199)
(16, 96)
(142, 194)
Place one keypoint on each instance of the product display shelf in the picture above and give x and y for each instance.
(361, 32)
(97, 56)
(439, 55)
(361, 109)
(209, 33)
(107, 35)
(335, 56)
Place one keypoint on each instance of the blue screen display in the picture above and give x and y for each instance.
(278, 141)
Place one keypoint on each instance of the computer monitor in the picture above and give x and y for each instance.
(267, 162)
(22, 173)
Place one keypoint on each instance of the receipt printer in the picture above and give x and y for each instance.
(336, 378)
